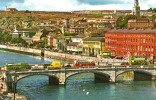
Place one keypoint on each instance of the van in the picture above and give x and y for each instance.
(55, 64)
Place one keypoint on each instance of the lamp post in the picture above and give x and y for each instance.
(115, 71)
(14, 83)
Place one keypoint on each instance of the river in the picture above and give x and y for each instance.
(78, 87)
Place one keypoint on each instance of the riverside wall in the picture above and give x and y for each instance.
(62, 56)
(21, 49)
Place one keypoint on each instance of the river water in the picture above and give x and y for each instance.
(78, 87)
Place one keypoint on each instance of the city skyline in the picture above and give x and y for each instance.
(72, 5)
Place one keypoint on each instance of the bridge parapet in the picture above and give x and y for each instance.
(64, 73)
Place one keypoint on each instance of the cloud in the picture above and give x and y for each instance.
(101, 2)
(71, 5)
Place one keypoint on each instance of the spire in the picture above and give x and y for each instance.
(136, 8)
(136, 3)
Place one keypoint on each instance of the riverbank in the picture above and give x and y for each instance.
(63, 56)
(17, 96)
(3, 90)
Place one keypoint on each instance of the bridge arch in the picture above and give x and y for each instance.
(141, 75)
(100, 76)
(138, 74)
(52, 78)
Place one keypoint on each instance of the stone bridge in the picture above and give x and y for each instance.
(60, 75)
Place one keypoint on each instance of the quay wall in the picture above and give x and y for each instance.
(21, 49)
(62, 56)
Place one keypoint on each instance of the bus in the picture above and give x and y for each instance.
(18, 65)
(78, 63)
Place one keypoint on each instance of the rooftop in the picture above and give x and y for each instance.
(132, 31)
(94, 39)
(73, 43)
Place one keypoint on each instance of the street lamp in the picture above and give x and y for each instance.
(14, 83)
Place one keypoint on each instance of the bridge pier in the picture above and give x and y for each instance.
(62, 77)
(112, 77)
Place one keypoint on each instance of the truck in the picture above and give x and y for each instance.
(55, 64)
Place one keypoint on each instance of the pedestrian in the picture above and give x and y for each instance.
(107, 63)
(98, 62)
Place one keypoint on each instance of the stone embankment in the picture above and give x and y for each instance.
(3, 86)
(63, 56)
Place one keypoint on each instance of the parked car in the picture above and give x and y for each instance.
(125, 63)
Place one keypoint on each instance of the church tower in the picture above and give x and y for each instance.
(136, 8)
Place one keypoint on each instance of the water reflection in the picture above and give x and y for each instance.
(82, 87)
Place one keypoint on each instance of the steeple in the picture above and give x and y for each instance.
(136, 8)
(136, 3)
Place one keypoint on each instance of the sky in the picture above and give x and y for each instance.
(74, 5)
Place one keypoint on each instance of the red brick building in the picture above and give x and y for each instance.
(140, 23)
(124, 42)
(52, 39)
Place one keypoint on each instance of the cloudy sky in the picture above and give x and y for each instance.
(72, 5)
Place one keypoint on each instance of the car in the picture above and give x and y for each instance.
(125, 63)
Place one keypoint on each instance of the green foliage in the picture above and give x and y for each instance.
(122, 21)
(154, 16)
(16, 40)
(7, 37)
(27, 11)
(58, 31)
(51, 47)
(66, 33)
(150, 9)
(154, 10)
(31, 34)
(24, 43)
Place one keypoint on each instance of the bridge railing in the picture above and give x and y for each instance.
(87, 68)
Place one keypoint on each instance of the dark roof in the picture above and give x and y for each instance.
(78, 36)
(97, 35)
(141, 19)
(94, 39)
(27, 30)
(132, 31)
(73, 44)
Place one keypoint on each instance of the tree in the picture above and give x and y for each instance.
(7, 37)
(119, 22)
(27, 11)
(154, 16)
(66, 33)
(122, 22)
(150, 9)
(154, 10)
(57, 31)
(16, 40)
(24, 43)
